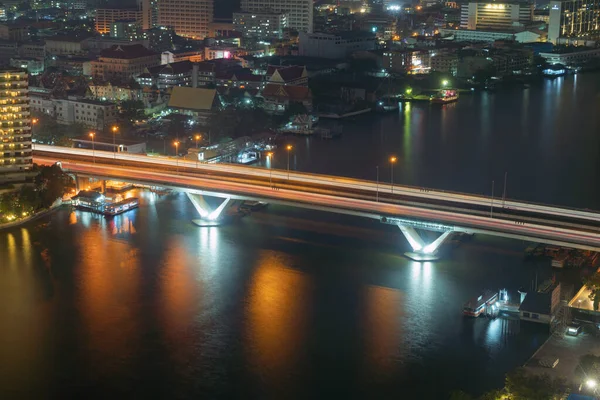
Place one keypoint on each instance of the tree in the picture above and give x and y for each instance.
(29, 199)
(132, 110)
(294, 109)
(51, 183)
(460, 395)
(593, 284)
(523, 386)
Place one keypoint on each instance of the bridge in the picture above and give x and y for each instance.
(410, 208)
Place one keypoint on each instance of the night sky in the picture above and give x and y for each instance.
(224, 8)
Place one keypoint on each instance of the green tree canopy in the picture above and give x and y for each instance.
(593, 284)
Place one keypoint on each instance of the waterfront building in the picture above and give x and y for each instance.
(124, 62)
(263, 25)
(190, 18)
(279, 97)
(492, 15)
(571, 56)
(106, 16)
(299, 12)
(15, 127)
(573, 19)
(335, 46)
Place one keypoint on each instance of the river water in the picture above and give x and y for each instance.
(292, 303)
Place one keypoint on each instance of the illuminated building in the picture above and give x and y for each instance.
(15, 126)
(188, 18)
(124, 62)
(260, 25)
(106, 16)
(574, 19)
(299, 12)
(482, 15)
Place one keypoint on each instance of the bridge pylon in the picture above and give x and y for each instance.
(209, 216)
(422, 251)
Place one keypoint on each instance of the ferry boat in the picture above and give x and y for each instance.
(444, 96)
(478, 305)
(120, 207)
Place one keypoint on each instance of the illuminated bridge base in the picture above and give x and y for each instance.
(422, 251)
(208, 216)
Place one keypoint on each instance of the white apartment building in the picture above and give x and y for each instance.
(491, 15)
(95, 114)
(188, 18)
(299, 12)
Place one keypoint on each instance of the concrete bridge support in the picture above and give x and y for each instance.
(422, 251)
(210, 216)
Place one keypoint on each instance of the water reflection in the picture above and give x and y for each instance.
(279, 301)
(383, 330)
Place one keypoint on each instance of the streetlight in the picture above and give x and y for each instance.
(392, 162)
(445, 83)
(115, 129)
(289, 149)
(34, 121)
(197, 137)
(176, 143)
(270, 158)
(92, 135)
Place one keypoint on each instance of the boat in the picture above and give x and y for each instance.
(253, 205)
(478, 305)
(444, 96)
(388, 103)
(113, 209)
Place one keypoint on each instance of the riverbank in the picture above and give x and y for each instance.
(32, 217)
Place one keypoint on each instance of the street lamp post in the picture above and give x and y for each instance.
(289, 149)
(197, 137)
(392, 162)
(92, 135)
(114, 131)
(176, 143)
(270, 158)
(377, 193)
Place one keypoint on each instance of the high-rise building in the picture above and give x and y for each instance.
(15, 126)
(299, 12)
(572, 19)
(260, 25)
(188, 18)
(149, 14)
(106, 16)
(491, 15)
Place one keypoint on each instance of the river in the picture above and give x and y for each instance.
(291, 303)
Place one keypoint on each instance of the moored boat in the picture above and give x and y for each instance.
(444, 96)
(478, 305)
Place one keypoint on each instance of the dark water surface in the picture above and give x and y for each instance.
(547, 138)
(293, 303)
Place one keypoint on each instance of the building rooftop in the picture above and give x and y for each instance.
(66, 38)
(295, 93)
(538, 303)
(287, 73)
(179, 67)
(127, 52)
(196, 99)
